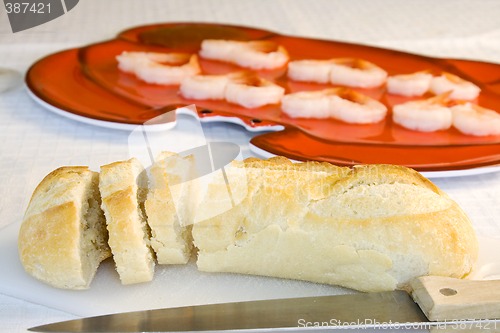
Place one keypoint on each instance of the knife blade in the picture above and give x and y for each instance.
(293, 313)
(445, 301)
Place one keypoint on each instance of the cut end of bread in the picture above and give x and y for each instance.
(63, 237)
(94, 240)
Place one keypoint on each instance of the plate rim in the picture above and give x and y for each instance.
(428, 174)
(93, 121)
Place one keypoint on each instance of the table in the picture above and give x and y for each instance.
(33, 141)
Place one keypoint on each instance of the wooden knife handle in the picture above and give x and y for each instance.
(444, 299)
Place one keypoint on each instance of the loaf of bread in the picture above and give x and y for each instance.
(168, 208)
(123, 186)
(370, 228)
(63, 237)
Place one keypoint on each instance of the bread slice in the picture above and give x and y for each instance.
(168, 207)
(371, 228)
(123, 187)
(63, 237)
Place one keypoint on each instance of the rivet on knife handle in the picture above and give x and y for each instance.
(442, 298)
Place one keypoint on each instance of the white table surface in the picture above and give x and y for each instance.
(33, 141)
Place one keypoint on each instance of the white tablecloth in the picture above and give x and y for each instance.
(33, 141)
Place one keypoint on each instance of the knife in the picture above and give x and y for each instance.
(441, 301)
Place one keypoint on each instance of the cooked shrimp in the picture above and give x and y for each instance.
(353, 72)
(159, 68)
(472, 119)
(415, 84)
(250, 91)
(308, 104)
(426, 115)
(204, 87)
(129, 61)
(310, 70)
(460, 88)
(355, 108)
(339, 103)
(254, 54)
(242, 88)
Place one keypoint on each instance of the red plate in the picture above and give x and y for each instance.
(87, 83)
